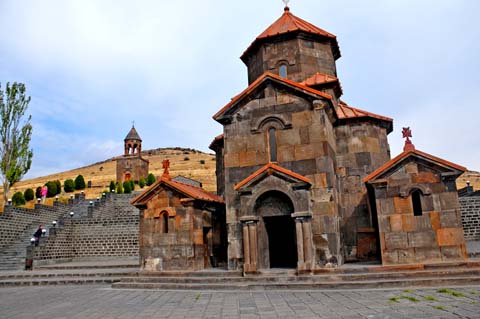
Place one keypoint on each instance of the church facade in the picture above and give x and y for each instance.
(131, 166)
(305, 181)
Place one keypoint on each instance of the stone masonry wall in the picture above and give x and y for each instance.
(470, 208)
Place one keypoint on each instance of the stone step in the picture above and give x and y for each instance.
(146, 278)
(60, 281)
(259, 285)
(38, 276)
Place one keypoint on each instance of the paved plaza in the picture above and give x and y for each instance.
(88, 302)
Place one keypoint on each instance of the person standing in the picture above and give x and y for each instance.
(44, 193)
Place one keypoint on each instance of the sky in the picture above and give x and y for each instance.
(92, 67)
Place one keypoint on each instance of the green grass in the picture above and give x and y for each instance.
(394, 299)
(473, 292)
(412, 299)
(430, 298)
(450, 292)
(397, 299)
(407, 290)
(197, 296)
(439, 308)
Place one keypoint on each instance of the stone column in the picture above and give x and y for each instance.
(250, 250)
(303, 223)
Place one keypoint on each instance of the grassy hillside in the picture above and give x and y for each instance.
(185, 162)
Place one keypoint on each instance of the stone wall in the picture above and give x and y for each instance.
(470, 207)
(134, 165)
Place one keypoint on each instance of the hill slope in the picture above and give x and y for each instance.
(183, 161)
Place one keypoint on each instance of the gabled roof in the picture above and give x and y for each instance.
(185, 189)
(288, 23)
(274, 77)
(270, 169)
(133, 135)
(346, 112)
(416, 153)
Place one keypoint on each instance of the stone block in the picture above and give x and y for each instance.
(450, 219)
(286, 153)
(452, 252)
(304, 135)
(422, 239)
(409, 223)
(435, 220)
(396, 241)
(450, 236)
(320, 180)
(422, 223)
(302, 119)
(396, 223)
(403, 205)
(317, 134)
(304, 151)
(411, 168)
(385, 206)
(288, 137)
(247, 158)
(406, 256)
(449, 200)
(232, 160)
(389, 257)
(425, 178)
(428, 254)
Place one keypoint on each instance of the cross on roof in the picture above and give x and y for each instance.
(166, 166)
(407, 133)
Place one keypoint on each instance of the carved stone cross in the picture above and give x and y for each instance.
(407, 133)
(166, 166)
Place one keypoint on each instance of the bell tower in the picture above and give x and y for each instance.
(292, 48)
(133, 142)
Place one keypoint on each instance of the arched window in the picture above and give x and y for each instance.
(165, 223)
(417, 202)
(272, 144)
(282, 70)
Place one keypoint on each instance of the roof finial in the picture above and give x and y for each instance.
(166, 166)
(286, 5)
(407, 133)
(133, 123)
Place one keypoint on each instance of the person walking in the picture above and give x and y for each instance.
(38, 234)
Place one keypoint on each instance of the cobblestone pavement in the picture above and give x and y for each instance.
(88, 302)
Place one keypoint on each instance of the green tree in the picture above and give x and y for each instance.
(112, 186)
(18, 199)
(119, 188)
(38, 192)
(28, 194)
(151, 179)
(79, 182)
(68, 185)
(52, 188)
(15, 136)
(127, 187)
(141, 182)
(59, 186)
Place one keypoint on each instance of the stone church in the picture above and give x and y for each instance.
(131, 166)
(304, 180)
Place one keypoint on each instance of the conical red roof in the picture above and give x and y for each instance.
(290, 23)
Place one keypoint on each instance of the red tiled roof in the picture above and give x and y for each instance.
(345, 111)
(319, 78)
(216, 140)
(186, 189)
(406, 154)
(271, 166)
(258, 81)
(290, 23)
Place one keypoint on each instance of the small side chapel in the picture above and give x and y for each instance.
(304, 180)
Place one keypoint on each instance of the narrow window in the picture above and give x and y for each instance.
(283, 70)
(417, 203)
(272, 143)
(165, 223)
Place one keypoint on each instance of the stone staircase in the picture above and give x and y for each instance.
(437, 275)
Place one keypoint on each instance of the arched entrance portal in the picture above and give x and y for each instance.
(277, 237)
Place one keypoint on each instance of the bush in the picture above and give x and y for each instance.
(59, 187)
(79, 182)
(28, 195)
(112, 186)
(151, 179)
(127, 187)
(68, 186)
(119, 188)
(186, 158)
(18, 199)
(132, 185)
(52, 188)
(38, 192)
(141, 182)
(202, 162)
